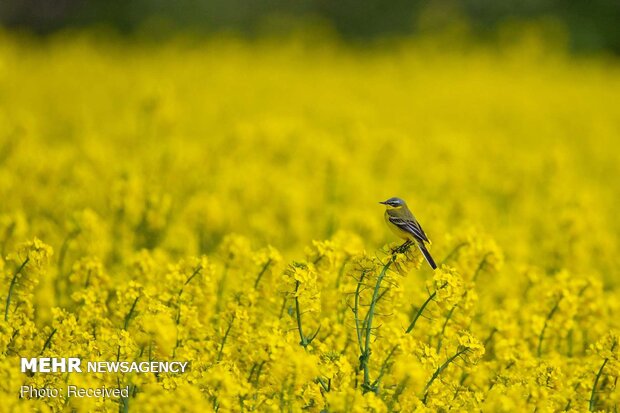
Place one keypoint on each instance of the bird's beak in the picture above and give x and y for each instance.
(383, 202)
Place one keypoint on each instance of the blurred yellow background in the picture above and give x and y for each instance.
(289, 141)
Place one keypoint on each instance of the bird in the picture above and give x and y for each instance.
(402, 222)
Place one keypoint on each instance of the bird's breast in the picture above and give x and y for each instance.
(396, 229)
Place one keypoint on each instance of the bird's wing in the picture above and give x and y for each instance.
(411, 226)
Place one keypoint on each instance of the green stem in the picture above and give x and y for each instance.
(326, 386)
(130, 313)
(341, 272)
(358, 329)
(298, 313)
(221, 286)
(542, 333)
(258, 372)
(399, 390)
(13, 282)
(443, 329)
(48, 341)
(480, 266)
(453, 252)
(124, 405)
(252, 372)
(490, 337)
(385, 366)
(260, 274)
(419, 313)
(592, 404)
(189, 279)
(596, 379)
(219, 354)
(64, 248)
(368, 327)
(304, 341)
(439, 370)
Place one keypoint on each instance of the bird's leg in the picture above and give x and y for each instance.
(402, 248)
(405, 246)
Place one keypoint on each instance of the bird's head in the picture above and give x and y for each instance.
(393, 203)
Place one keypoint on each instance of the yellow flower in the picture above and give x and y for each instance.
(448, 284)
(474, 349)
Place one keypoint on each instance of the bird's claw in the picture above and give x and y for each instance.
(401, 249)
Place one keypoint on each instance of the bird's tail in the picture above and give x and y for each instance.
(427, 255)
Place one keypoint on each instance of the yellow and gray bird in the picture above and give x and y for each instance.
(402, 222)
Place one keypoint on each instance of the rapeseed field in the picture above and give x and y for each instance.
(216, 202)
